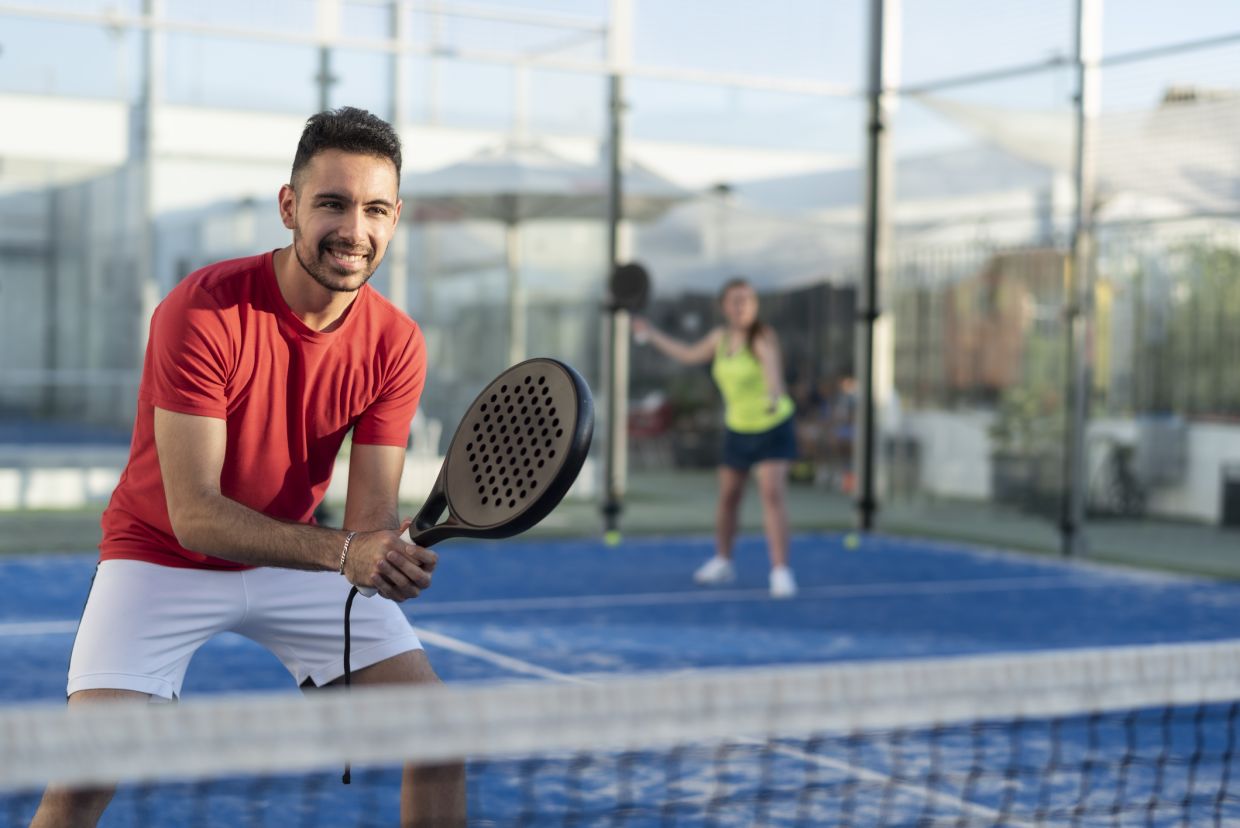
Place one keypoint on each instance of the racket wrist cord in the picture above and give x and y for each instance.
(347, 777)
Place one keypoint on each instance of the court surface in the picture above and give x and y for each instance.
(570, 610)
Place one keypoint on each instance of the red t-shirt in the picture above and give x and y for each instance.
(225, 344)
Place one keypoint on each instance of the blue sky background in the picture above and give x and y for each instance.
(823, 40)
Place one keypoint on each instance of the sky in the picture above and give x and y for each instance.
(824, 40)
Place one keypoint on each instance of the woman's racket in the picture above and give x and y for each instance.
(513, 457)
(629, 287)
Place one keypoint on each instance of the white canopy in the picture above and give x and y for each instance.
(518, 182)
(1182, 156)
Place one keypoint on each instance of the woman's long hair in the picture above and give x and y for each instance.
(758, 326)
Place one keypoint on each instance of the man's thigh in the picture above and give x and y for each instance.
(143, 622)
(94, 696)
(299, 616)
(411, 667)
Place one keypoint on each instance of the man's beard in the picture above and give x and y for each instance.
(323, 271)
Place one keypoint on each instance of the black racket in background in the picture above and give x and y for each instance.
(513, 457)
(628, 290)
(629, 287)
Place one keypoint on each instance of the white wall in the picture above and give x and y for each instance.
(49, 477)
(54, 129)
(955, 460)
(1211, 446)
(955, 451)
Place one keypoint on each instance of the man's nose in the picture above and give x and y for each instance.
(351, 227)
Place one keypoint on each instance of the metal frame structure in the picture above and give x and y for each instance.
(617, 66)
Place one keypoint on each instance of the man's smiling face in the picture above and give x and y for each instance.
(342, 209)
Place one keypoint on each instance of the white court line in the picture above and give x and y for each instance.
(8, 630)
(516, 665)
(447, 642)
(883, 779)
(892, 589)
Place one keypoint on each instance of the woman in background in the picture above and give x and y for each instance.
(759, 431)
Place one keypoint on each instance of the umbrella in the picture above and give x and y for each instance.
(518, 182)
(1180, 155)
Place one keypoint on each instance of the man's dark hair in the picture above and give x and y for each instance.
(347, 129)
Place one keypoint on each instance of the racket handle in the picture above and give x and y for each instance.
(367, 591)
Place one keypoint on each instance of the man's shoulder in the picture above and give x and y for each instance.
(392, 319)
(226, 279)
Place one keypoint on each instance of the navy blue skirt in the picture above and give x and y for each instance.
(740, 451)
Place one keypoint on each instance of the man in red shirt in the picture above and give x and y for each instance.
(255, 371)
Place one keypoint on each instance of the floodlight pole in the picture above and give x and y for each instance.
(884, 16)
(1079, 309)
(617, 350)
(142, 153)
(327, 24)
(616, 345)
(398, 247)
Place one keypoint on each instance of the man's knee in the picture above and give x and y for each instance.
(72, 807)
(106, 695)
(411, 667)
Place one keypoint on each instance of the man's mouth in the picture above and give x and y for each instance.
(347, 258)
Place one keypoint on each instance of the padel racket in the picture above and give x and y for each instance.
(629, 287)
(513, 457)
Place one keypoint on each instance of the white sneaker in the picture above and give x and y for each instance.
(783, 584)
(715, 571)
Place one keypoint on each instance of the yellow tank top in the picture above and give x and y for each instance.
(746, 403)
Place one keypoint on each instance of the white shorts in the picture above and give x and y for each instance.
(143, 622)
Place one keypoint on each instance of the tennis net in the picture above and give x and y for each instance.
(1118, 736)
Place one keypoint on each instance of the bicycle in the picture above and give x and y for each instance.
(1115, 489)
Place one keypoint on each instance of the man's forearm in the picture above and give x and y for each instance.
(219, 526)
(370, 519)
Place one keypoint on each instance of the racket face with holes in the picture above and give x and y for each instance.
(514, 455)
(630, 287)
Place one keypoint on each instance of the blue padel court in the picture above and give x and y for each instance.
(560, 611)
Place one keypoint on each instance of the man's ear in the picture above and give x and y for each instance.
(396, 217)
(288, 206)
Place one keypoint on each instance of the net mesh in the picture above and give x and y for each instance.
(1122, 736)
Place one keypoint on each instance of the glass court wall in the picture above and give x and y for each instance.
(144, 139)
(982, 288)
